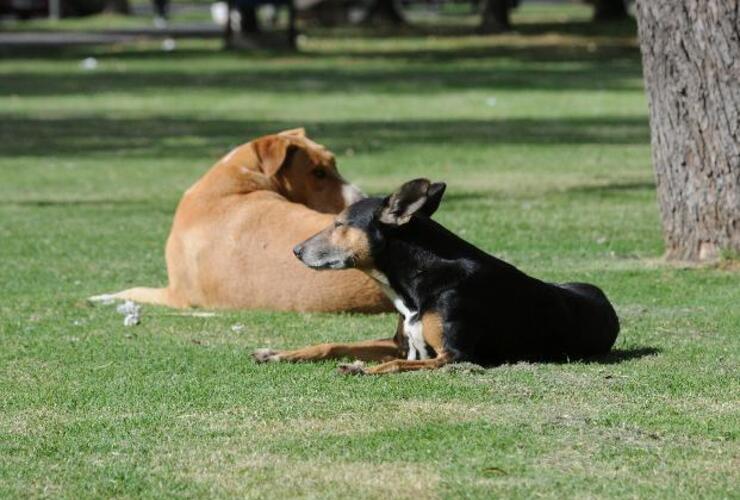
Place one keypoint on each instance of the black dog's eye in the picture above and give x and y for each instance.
(319, 173)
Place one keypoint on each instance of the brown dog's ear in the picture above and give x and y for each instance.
(398, 208)
(297, 132)
(272, 152)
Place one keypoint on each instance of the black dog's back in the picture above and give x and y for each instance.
(503, 315)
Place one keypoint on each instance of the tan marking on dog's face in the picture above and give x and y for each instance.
(339, 246)
(354, 241)
(433, 331)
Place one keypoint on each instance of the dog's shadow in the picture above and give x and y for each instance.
(616, 356)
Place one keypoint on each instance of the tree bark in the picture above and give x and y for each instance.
(384, 12)
(691, 63)
(609, 10)
(495, 16)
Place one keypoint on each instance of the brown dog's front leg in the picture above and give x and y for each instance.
(405, 365)
(370, 350)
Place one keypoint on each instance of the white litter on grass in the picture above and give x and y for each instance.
(169, 44)
(237, 328)
(131, 320)
(89, 63)
(131, 311)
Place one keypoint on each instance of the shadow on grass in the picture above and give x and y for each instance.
(175, 138)
(77, 202)
(623, 29)
(626, 29)
(535, 42)
(608, 62)
(615, 186)
(391, 79)
(616, 356)
(549, 48)
(612, 188)
(613, 38)
(613, 357)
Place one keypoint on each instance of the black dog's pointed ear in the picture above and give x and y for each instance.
(418, 195)
(434, 198)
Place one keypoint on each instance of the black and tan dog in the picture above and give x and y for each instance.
(457, 302)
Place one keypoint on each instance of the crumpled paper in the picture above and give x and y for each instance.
(131, 312)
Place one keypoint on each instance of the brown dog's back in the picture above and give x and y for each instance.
(248, 263)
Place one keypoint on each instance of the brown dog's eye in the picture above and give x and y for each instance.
(338, 223)
(319, 173)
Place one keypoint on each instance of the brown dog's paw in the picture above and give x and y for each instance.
(356, 368)
(265, 355)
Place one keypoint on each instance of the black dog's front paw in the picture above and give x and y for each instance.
(265, 355)
(356, 368)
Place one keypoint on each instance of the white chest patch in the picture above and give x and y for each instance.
(412, 327)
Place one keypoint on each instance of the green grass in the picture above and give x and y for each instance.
(544, 141)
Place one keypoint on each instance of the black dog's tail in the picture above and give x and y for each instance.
(598, 321)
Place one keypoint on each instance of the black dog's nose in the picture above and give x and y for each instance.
(298, 250)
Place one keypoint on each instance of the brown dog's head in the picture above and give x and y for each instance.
(303, 171)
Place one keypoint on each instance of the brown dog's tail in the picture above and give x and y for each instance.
(157, 296)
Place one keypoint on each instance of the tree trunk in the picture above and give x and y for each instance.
(384, 12)
(118, 7)
(691, 63)
(495, 16)
(609, 10)
(249, 23)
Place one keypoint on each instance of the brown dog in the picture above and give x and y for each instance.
(232, 237)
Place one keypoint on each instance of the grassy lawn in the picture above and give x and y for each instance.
(543, 139)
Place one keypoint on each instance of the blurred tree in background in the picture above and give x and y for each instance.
(495, 15)
(384, 12)
(609, 10)
(118, 6)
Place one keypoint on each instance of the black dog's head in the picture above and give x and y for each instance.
(362, 229)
